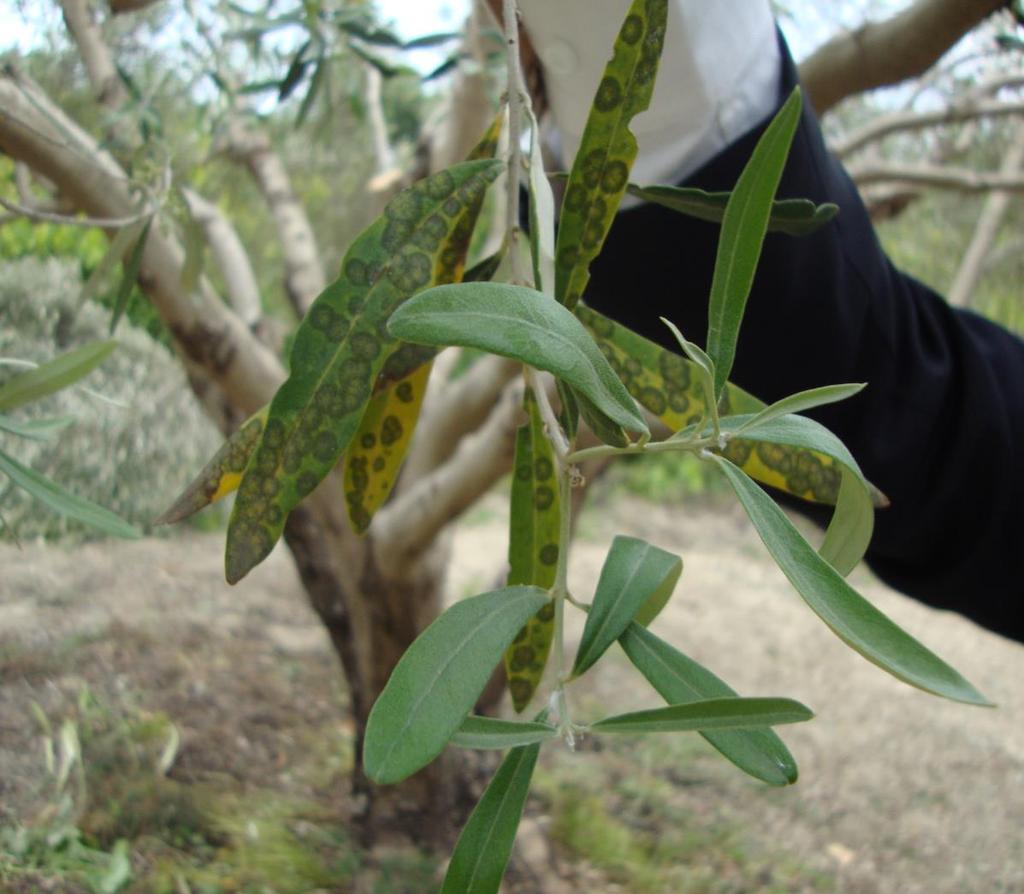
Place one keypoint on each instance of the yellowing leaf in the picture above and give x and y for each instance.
(532, 551)
(375, 456)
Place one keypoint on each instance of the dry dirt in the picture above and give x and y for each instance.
(899, 791)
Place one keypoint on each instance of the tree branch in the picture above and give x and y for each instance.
(962, 179)
(997, 203)
(110, 91)
(35, 131)
(903, 121)
(230, 256)
(304, 272)
(882, 53)
(410, 523)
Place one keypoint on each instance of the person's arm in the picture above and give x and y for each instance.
(941, 424)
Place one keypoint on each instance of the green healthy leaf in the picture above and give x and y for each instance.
(118, 248)
(64, 503)
(490, 732)
(849, 531)
(532, 550)
(704, 364)
(439, 678)
(850, 616)
(669, 386)
(794, 217)
(658, 599)
(523, 324)
(34, 429)
(606, 430)
(485, 844)
(130, 277)
(341, 347)
(63, 370)
(608, 148)
(801, 401)
(681, 680)
(633, 572)
(708, 714)
(743, 229)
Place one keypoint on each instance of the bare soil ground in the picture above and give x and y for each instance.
(899, 791)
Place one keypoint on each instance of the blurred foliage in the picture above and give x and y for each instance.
(132, 448)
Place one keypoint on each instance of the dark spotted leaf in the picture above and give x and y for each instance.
(439, 678)
(522, 324)
(633, 572)
(222, 473)
(341, 347)
(669, 386)
(743, 228)
(490, 732)
(532, 550)
(485, 844)
(681, 680)
(850, 616)
(375, 455)
(608, 148)
(708, 714)
(795, 217)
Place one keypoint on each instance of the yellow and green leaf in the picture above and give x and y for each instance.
(341, 347)
(533, 550)
(222, 473)
(375, 455)
(608, 148)
(667, 385)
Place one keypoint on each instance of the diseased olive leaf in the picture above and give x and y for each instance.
(485, 843)
(669, 387)
(375, 455)
(794, 217)
(525, 325)
(439, 678)
(608, 148)
(743, 229)
(679, 680)
(850, 616)
(707, 714)
(491, 732)
(633, 572)
(532, 550)
(221, 474)
(340, 348)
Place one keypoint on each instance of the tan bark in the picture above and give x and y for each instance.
(888, 52)
(991, 218)
(304, 274)
(230, 257)
(936, 176)
(78, 17)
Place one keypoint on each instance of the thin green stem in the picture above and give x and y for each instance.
(694, 445)
(514, 82)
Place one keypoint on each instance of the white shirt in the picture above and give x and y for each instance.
(718, 76)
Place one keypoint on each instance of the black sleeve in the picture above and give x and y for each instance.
(941, 424)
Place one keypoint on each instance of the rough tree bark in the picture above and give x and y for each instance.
(881, 53)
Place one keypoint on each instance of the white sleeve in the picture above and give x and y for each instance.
(718, 77)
